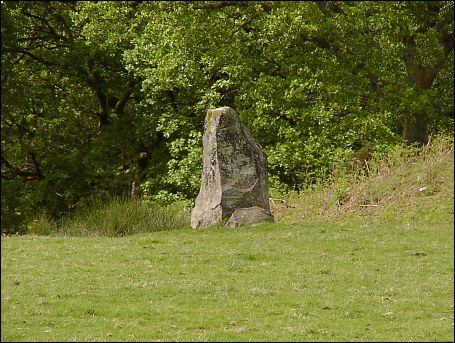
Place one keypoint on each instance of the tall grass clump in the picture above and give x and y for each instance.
(117, 217)
(42, 224)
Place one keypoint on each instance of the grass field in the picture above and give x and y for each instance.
(321, 282)
(386, 274)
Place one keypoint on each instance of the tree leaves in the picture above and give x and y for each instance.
(98, 95)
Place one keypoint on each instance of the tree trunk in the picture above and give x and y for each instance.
(416, 124)
(416, 129)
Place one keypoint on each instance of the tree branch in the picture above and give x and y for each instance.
(213, 6)
(327, 7)
(120, 105)
(14, 172)
(243, 25)
(95, 83)
(36, 58)
(43, 20)
(205, 5)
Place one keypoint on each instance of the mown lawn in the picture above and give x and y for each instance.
(386, 281)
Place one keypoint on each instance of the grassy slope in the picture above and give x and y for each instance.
(382, 275)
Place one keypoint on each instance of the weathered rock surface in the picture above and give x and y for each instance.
(249, 216)
(234, 176)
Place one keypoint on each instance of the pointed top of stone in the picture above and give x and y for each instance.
(224, 108)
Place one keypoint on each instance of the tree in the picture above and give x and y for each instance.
(411, 56)
(64, 112)
(97, 96)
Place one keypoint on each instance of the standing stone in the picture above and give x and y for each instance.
(234, 186)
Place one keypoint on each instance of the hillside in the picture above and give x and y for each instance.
(407, 184)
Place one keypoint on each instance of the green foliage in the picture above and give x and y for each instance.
(98, 96)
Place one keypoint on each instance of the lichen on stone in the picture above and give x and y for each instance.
(234, 172)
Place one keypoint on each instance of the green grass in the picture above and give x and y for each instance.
(324, 282)
(118, 217)
(405, 184)
(330, 269)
